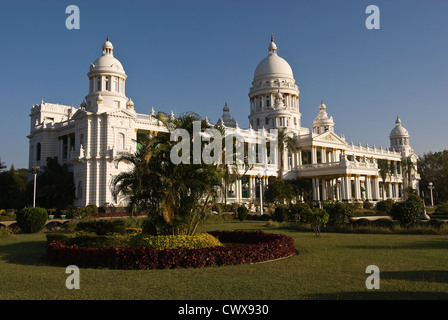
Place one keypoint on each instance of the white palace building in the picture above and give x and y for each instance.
(89, 138)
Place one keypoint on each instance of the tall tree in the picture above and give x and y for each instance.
(55, 185)
(384, 170)
(433, 167)
(407, 168)
(13, 186)
(285, 140)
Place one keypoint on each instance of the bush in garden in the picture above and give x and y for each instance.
(242, 213)
(160, 242)
(298, 211)
(102, 226)
(436, 223)
(32, 220)
(340, 213)
(367, 205)
(441, 208)
(280, 213)
(406, 213)
(318, 218)
(384, 223)
(385, 206)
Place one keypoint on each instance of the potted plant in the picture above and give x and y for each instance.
(51, 213)
(63, 214)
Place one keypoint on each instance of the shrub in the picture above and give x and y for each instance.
(384, 223)
(385, 206)
(362, 222)
(367, 205)
(406, 213)
(280, 213)
(441, 208)
(242, 213)
(357, 205)
(91, 210)
(318, 218)
(102, 226)
(202, 240)
(32, 220)
(340, 213)
(298, 211)
(435, 223)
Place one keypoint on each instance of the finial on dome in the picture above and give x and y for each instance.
(398, 121)
(272, 46)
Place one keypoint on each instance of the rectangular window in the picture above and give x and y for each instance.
(99, 86)
(107, 83)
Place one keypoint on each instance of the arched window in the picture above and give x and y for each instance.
(38, 151)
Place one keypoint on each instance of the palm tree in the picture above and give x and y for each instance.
(177, 193)
(285, 140)
(384, 171)
(232, 170)
(407, 167)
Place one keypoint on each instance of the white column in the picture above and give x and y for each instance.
(396, 191)
(313, 155)
(323, 154)
(357, 187)
(389, 188)
(317, 189)
(368, 184)
(324, 189)
(376, 187)
(348, 188)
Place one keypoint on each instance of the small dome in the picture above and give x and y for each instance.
(273, 65)
(398, 131)
(108, 44)
(107, 62)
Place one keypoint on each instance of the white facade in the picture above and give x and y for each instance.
(89, 138)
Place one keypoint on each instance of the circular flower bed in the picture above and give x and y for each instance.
(241, 247)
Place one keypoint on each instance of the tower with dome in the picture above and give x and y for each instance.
(89, 139)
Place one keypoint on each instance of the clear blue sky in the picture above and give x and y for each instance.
(196, 55)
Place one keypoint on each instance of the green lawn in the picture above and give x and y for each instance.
(331, 266)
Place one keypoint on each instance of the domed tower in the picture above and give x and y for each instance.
(399, 138)
(106, 82)
(274, 96)
(323, 123)
(226, 119)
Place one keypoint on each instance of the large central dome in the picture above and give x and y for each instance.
(273, 65)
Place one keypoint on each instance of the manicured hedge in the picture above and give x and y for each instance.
(244, 247)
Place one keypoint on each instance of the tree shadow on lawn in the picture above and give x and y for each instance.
(438, 276)
(433, 244)
(380, 295)
(32, 253)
